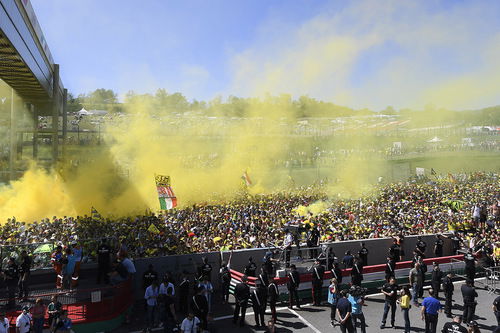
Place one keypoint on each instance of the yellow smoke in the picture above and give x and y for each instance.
(314, 209)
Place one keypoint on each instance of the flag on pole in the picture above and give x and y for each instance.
(165, 193)
(246, 178)
(95, 214)
(153, 229)
(433, 172)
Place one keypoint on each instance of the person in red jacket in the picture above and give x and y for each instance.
(56, 259)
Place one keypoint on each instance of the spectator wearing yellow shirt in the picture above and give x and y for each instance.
(404, 302)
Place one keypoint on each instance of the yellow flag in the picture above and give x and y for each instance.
(152, 228)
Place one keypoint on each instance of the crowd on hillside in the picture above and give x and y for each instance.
(414, 207)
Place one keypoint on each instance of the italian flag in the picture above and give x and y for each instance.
(168, 203)
(166, 196)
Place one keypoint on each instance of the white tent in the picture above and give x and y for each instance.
(434, 139)
(83, 112)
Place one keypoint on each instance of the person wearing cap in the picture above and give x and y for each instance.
(473, 327)
(241, 295)
(23, 321)
(4, 323)
(448, 289)
(430, 311)
(318, 271)
(293, 286)
(454, 326)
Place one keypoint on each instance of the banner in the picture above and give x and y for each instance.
(246, 178)
(165, 193)
(153, 229)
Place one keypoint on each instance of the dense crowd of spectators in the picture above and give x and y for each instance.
(258, 220)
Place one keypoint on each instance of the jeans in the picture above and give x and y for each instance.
(361, 318)
(406, 317)
(430, 323)
(151, 316)
(333, 311)
(387, 305)
(415, 288)
(38, 325)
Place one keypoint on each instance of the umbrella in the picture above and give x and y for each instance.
(44, 248)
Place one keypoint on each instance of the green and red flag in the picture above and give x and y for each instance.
(165, 193)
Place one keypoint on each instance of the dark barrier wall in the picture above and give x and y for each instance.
(378, 250)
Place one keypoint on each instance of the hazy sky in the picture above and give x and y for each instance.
(357, 53)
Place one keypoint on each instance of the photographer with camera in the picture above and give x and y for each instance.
(357, 299)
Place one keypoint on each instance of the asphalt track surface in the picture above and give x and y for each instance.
(315, 319)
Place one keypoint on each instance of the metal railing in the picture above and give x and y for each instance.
(40, 253)
(492, 279)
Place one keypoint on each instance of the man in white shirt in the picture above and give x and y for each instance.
(23, 321)
(151, 297)
(128, 264)
(4, 323)
(190, 324)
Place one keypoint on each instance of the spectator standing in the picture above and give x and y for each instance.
(438, 246)
(64, 324)
(149, 276)
(78, 254)
(470, 265)
(56, 260)
(69, 262)
(357, 302)
(208, 290)
(241, 295)
(4, 323)
(404, 302)
(225, 281)
(344, 311)
(54, 310)
(169, 316)
(469, 295)
(11, 275)
(24, 274)
(348, 259)
(416, 282)
(23, 321)
(190, 324)
(38, 313)
(293, 286)
(429, 312)
(151, 297)
(395, 250)
(333, 293)
(103, 261)
(390, 290)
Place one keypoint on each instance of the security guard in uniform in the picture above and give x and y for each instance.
(363, 254)
(357, 272)
(438, 246)
(390, 268)
(250, 268)
(241, 295)
(448, 289)
(437, 278)
(318, 271)
(337, 272)
(293, 286)
(469, 295)
(205, 270)
(258, 296)
(273, 294)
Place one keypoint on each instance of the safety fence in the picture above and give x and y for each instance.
(40, 252)
(83, 305)
(492, 278)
